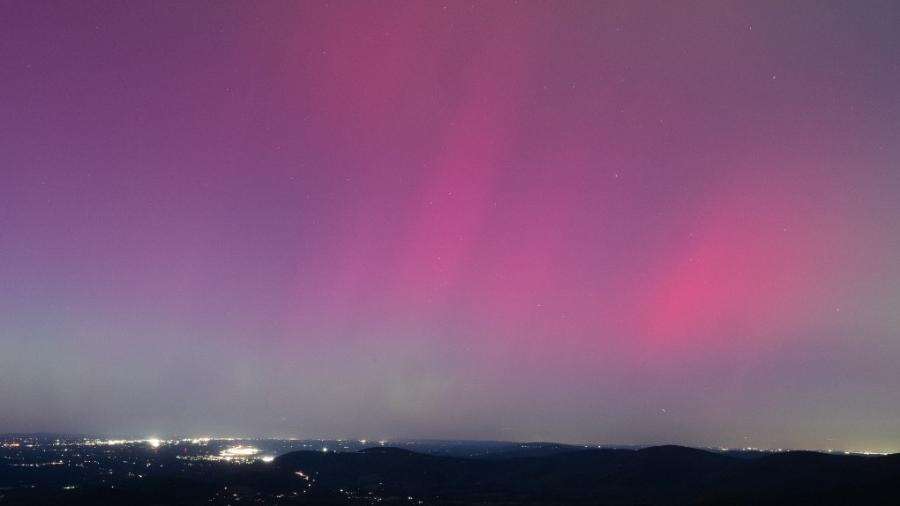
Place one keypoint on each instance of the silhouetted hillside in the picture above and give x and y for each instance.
(534, 450)
(656, 475)
(665, 475)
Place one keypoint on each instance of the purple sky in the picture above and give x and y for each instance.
(620, 222)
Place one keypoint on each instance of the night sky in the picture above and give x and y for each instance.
(624, 222)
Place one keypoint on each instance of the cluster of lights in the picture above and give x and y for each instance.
(782, 450)
(239, 454)
(39, 464)
(154, 442)
(239, 451)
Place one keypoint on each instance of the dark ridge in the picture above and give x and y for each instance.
(666, 475)
(672, 450)
(389, 451)
(547, 444)
(679, 452)
(534, 449)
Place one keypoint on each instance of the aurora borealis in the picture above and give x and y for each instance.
(622, 222)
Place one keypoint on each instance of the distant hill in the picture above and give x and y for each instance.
(536, 449)
(525, 474)
(655, 475)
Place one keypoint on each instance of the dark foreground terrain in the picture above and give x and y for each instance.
(533, 475)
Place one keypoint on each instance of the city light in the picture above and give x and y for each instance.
(239, 451)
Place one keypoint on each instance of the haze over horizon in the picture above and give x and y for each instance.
(614, 222)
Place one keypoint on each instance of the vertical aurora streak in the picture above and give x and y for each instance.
(617, 222)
